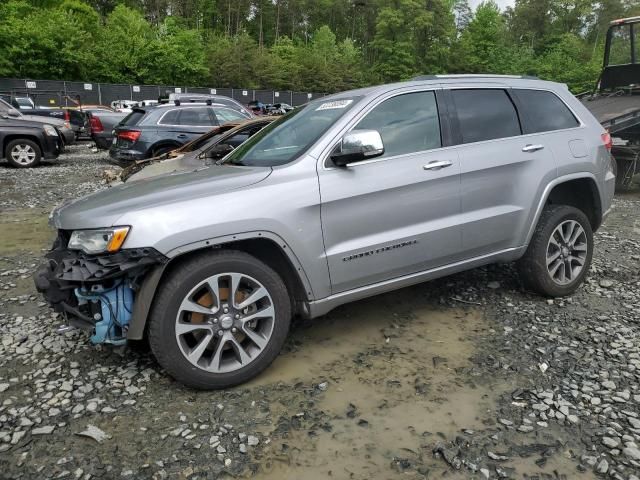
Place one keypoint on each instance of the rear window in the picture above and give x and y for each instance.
(133, 118)
(485, 114)
(544, 112)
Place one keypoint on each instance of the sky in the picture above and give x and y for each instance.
(501, 3)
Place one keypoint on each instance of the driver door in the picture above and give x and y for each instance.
(396, 214)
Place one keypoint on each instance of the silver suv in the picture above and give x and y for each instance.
(349, 196)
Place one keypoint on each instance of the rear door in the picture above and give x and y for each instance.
(502, 170)
(185, 124)
(396, 214)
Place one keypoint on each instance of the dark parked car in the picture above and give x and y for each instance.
(103, 122)
(67, 136)
(78, 120)
(24, 143)
(203, 151)
(151, 131)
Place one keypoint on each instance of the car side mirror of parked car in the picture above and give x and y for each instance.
(219, 151)
(12, 112)
(356, 146)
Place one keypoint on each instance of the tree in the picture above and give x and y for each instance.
(124, 47)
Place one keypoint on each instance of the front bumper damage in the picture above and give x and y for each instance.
(95, 292)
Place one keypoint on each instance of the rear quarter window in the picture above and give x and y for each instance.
(543, 111)
(133, 118)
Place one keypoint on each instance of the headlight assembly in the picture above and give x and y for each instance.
(49, 130)
(103, 240)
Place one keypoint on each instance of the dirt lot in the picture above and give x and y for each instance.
(463, 377)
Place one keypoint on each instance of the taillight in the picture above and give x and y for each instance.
(606, 139)
(96, 125)
(131, 135)
(67, 116)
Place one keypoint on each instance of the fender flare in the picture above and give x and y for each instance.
(146, 292)
(547, 191)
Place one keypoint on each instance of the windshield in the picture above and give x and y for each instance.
(285, 139)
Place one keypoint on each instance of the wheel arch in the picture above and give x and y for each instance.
(17, 136)
(265, 246)
(163, 144)
(579, 190)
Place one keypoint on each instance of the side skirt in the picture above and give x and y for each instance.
(323, 306)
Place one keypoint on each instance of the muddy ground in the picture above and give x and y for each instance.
(463, 377)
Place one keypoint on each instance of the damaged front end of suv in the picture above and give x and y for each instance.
(92, 282)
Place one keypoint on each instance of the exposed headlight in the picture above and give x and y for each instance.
(49, 130)
(98, 241)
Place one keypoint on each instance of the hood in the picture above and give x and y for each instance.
(56, 122)
(104, 208)
(179, 163)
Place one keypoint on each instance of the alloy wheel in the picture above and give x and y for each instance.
(225, 322)
(23, 154)
(567, 252)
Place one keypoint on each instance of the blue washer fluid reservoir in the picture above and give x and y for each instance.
(116, 305)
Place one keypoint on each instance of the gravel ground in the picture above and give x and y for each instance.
(463, 377)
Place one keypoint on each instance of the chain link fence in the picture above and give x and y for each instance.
(57, 93)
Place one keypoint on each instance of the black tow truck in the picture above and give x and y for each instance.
(615, 101)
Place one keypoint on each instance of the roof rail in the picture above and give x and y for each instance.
(471, 75)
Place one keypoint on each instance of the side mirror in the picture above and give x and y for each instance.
(219, 151)
(12, 112)
(356, 146)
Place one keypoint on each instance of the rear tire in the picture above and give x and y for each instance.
(156, 152)
(203, 335)
(559, 254)
(23, 153)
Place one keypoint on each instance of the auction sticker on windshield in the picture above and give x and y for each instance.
(334, 105)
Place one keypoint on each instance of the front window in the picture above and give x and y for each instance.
(407, 123)
(285, 139)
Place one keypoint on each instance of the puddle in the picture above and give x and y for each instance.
(24, 231)
(392, 366)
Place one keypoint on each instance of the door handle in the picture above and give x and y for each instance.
(437, 165)
(532, 148)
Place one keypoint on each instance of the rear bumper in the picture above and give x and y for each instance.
(103, 140)
(125, 157)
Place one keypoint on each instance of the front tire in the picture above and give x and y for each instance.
(559, 254)
(219, 319)
(23, 153)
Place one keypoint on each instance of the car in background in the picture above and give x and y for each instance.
(22, 103)
(24, 143)
(202, 151)
(279, 109)
(151, 131)
(123, 105)
(102, 122)
(257, 107)
(65, 132)
(76, 118)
